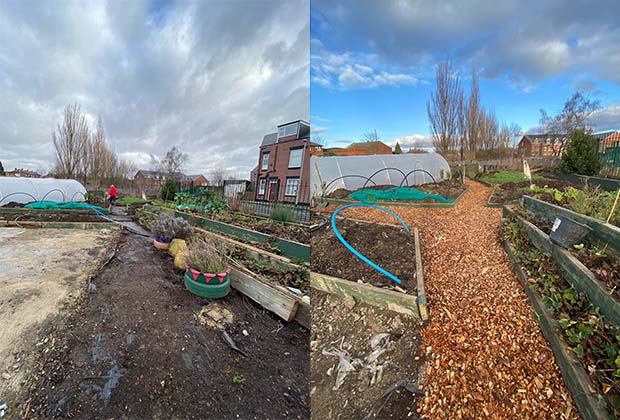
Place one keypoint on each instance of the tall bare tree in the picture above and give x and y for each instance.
(473, 115)
(443, 108)
(70, 142)
(370, 136)
(574, 116)
(171, 163)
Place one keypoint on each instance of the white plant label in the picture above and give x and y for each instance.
(556, 224)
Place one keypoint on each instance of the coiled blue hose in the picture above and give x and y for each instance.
(355, 251)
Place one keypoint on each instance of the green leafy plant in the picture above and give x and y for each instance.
(169, 189)
(238, 379)
(282, 214)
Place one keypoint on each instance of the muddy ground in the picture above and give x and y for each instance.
(141, 346)
(390, 247)
(51, 216)
(344, 323)
(445, 189)
(40, 269)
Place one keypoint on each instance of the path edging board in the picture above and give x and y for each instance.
(575, 272)
(575, 376)
(601, 231)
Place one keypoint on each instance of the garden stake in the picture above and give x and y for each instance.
(614, 206)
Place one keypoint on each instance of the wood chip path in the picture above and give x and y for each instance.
(486, 356)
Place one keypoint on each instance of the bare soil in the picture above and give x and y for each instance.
(350, 325)
(511, 191)
(142, 346)
(51, 216)
(444, 189)
(390, 247)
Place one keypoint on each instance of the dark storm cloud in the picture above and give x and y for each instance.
(210, 77)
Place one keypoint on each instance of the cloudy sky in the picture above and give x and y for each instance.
(373, 63)
(210, 77)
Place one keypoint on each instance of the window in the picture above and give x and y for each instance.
(265, 162)
(292, 186)
(294, 160)
(261, 187)
(288, 130)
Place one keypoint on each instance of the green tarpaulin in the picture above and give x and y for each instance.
(56, 205)
(394, 194)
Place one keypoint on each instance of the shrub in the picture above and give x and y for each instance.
(282, 214)
(580, 157)
(168, 190)
(203, 257)
(167, 226)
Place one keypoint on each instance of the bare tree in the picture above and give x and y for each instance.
(443, 108)
(574, 116)
(318, 139)
(473, 115)
(171, 163)
(218, 176)
(70, 140)
(370, 136)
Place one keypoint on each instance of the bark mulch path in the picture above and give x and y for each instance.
(486, 356)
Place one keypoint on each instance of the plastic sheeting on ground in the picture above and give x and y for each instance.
(54, 205)
(395, 194)
(27, 190)
(329, 173)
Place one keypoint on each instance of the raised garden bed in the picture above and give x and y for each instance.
(22, 214)
(586, 347)
(600, 293)
(336, 270)
(286, 247)
(457, 191)
(510, 192)
(607, 184)
(603, 233)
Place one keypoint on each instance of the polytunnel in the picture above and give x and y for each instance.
(27, 190)
(329, 173)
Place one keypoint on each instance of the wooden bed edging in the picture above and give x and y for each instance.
(422, 307)
(575, 376)
(291, 249)
(59, 225)
(403, 204)
(601, 231)
(371, 295)
(577, 274)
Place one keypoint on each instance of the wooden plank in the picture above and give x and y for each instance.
(420, 276)
(602, 232)
(269, 297)
(303, 314)
(574, 374)
(375, 296)
(577, 274)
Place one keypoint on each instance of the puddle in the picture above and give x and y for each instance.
(129, 338)
(97, 353)
(105, 312)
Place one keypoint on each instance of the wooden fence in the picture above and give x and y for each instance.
(264, 208)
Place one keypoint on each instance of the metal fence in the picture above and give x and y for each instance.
(264, 208)
(610, 162)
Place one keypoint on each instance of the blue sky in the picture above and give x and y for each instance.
(372, 63)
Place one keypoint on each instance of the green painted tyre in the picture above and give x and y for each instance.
(209, 291)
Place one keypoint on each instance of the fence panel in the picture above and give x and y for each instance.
(264, 208)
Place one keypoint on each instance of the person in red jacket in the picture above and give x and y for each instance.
(112, 194)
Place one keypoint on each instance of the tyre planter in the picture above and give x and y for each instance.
(161, 243)
(209, 291)
(208, 278)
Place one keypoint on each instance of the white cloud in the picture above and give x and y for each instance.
(415, 141)
(209, 77)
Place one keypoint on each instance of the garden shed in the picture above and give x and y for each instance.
(27, 190)
(329, 173)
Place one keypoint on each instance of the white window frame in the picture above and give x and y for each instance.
(291, 190)
(288, 130)
(264, 162)
(301, 153)
(262, 186)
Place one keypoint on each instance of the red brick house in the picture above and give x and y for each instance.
(360, 149)
(283, 172)
(539, 145)
(154, 180)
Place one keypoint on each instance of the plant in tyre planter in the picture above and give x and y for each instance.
(207, 272)
(166, 228)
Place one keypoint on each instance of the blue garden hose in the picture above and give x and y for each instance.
(355, 251)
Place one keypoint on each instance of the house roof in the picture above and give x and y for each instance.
(543, 138)
(194, 177)
(269, 139)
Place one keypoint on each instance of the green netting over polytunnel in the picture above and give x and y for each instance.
(28, 190)
(55, 205)
(330, 173)
(394, 194)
